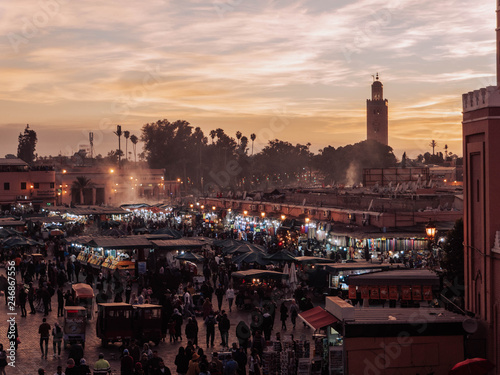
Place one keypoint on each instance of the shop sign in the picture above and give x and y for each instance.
(393, 292)
(365, 292)
(352, 291)
(384, 293)
(406, 293)
(416, 292)
(427, 293)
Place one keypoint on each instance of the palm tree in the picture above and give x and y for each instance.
(433, 144)
(119, 133)
(252, 137)
(213, 133)
(134, 140)
(126, 134)
(79, 185)
(238, 136)
(243, 144)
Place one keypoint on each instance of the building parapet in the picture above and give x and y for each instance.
(482, 98)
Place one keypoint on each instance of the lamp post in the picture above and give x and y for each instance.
(430, 231)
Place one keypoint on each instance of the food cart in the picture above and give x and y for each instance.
(75, 322)
(147, 323)
(114, 322)
(84, 296)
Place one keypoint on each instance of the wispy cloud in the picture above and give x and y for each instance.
(236, 62)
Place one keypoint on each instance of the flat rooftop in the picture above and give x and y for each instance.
(13, 161)
(396, 277)
(417, 316)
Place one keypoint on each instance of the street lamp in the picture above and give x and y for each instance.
(263, 214)
(430, 230)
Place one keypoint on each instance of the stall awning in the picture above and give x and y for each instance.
(317, 318)
(263, 274)
(396, 277)
(91, 210)
(121, 243)
(181, 243)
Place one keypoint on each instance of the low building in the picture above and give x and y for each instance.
(26, 186)
(111, 186)
(399, 340)
(394, 176)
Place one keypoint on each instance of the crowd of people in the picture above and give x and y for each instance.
(45, 280)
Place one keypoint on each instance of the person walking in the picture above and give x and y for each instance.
(60, 302)
(206, 308)
(210, 323)
(57, 336)
(70, 268)
(294, 312)
(162, 369)
(78, 266)
(219, 292)
(243, 334)
(182, 362)
(83, 368)
(76, 352)
(283, 315)
(127, 364)
(230, 297)
(224, 325)
(267, 325)
(191, 331)
(31, 298)
(71, 368)
(102, 367)
(254, 363)
(45, 300)
(44, 331)
(22, 297)
(188, 302)
(177, 318)
(231, 366)
(194, 367)
(3, 360)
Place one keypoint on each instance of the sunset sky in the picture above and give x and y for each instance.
(294, 70)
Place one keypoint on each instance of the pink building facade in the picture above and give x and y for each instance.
(112, 186)
(481, 137)
(21, 184)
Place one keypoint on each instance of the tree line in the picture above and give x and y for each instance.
(219, 162)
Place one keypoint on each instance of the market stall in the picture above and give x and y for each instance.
(408, 286)
(337, 272)
(110, 253)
